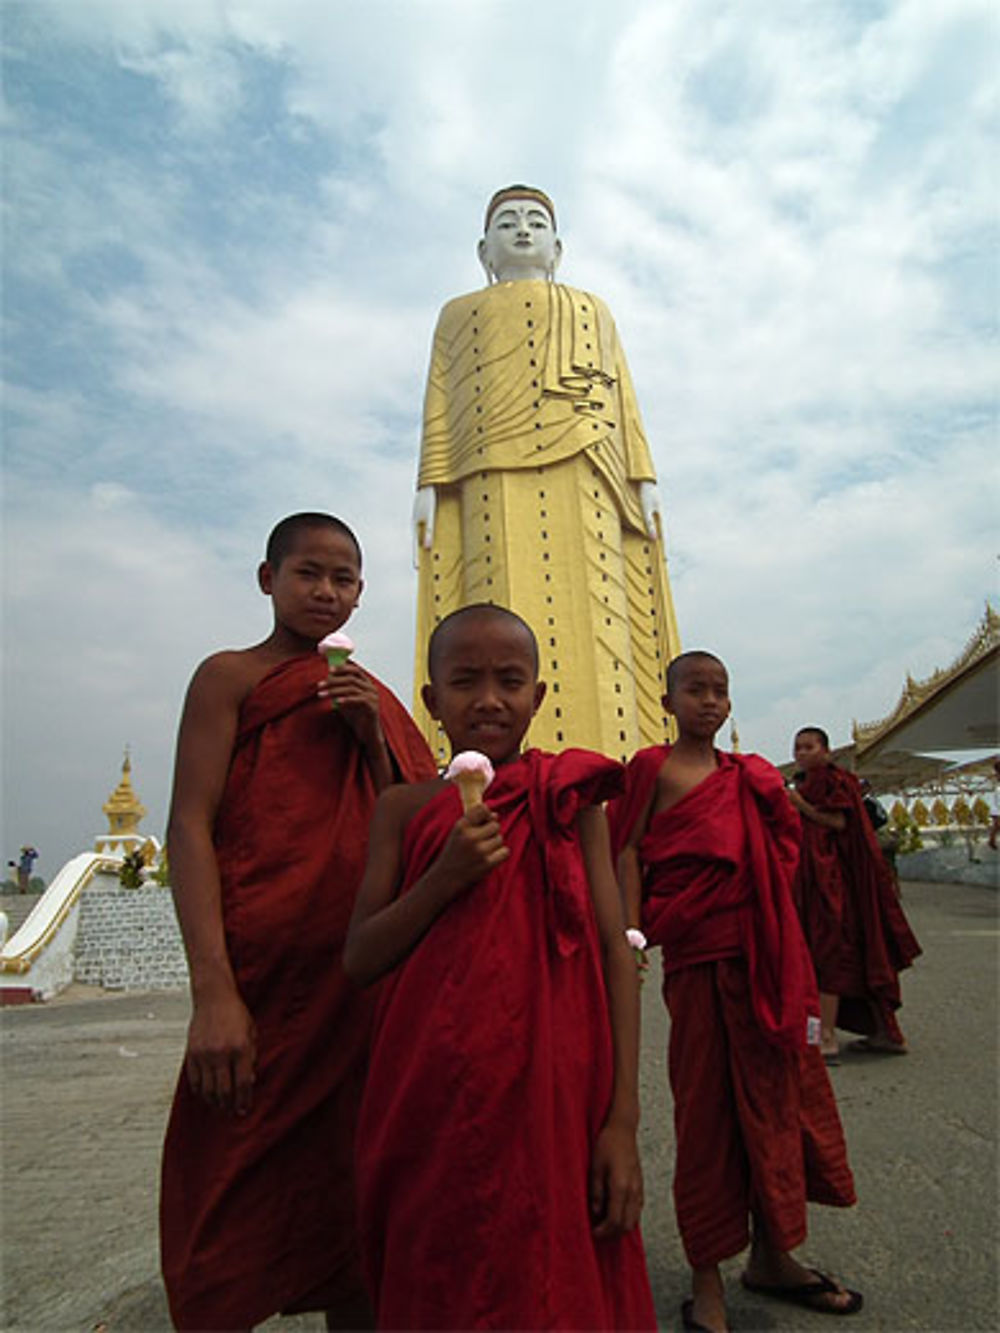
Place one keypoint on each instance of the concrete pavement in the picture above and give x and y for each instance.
(87, 1081)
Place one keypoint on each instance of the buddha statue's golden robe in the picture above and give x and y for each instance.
(533, 443)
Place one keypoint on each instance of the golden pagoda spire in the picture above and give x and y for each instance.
(123, 808)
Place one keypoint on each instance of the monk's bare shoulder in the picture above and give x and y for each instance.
(208, 728)
(397, 804)
(228, 676)
(669, 783)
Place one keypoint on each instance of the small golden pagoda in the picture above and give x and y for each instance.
(124, 811)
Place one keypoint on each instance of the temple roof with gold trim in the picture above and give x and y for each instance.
(955, 708)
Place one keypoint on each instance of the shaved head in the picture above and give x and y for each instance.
(680, 664)
(438, 643)
(284, 538)
(818, 732)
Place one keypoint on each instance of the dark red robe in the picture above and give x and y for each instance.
(755, 1117)
(257, 1212)
(848, 899)
(491, 1076)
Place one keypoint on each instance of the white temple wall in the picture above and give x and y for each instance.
(52, 970)
(129, 939)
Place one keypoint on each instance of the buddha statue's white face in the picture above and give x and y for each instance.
(520, 242)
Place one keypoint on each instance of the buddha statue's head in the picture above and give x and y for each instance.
(520, 238)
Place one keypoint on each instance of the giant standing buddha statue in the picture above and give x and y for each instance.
(536, 490)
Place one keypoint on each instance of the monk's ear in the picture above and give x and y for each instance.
(429, 698)
(536, 703)
(265, 577)
(665, 703)
(361, 588)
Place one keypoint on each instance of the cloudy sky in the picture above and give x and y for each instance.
(230, 225)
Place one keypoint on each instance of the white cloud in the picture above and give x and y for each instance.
(317, 369)
(204, 86)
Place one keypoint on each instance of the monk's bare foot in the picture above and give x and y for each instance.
(706, 1310)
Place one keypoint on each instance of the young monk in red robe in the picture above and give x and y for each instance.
(847, 896)
(279, 760)
(498, 1176)
(707, 845)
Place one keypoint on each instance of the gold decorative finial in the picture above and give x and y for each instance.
(123, 808)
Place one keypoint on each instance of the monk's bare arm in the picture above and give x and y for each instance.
(835, 819)
(385, 927)
(616, 1176)
(629, 868)
(221, 1042)
(630, 883)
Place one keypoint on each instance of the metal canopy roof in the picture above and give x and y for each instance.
(895, 771)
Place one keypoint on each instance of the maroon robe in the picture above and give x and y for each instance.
(491, 1076)
(257, 1212)
(756, 1122)
(847, 896)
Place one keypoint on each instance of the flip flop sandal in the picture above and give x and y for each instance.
(809, 1294)
(689, 1322)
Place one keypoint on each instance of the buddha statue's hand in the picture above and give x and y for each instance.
(424, 505)
(649, 500)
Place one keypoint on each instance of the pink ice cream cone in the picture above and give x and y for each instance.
(337, 648)
(473, 773)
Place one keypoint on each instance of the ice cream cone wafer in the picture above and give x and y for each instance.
(471, 786)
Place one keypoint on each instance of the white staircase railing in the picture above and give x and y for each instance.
(42, 925)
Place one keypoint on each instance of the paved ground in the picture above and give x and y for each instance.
(87, 1080)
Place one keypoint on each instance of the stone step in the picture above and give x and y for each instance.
(16, 906)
